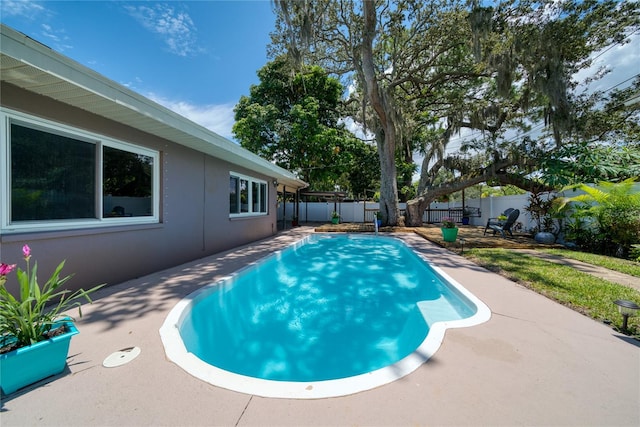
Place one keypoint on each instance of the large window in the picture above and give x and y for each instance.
(58, 177)
(247, 196)
(52, 176)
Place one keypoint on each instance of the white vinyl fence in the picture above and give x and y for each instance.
(489, 207)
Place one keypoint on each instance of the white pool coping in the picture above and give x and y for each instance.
(176, 352)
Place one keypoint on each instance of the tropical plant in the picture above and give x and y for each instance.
(614, 210)
(335, 214)
(545, 211)
(579, 232)
(583, 161)
(33, 315)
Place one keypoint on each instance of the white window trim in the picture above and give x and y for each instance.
(251, 180)
(7, 116)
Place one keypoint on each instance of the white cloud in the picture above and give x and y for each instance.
(620, 63)
(357, 130)
(31, 11)
(174, 26)
(23, 8)
(56, 37)
(216, 118)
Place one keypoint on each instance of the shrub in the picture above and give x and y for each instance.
(606, 218)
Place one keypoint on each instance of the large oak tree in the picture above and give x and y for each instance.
(424, 70)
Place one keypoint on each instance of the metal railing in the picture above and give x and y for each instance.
(432, 216)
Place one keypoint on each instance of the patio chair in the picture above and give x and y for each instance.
(496, 221)
(506, 227)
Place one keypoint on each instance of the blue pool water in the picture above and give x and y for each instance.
(333, 307)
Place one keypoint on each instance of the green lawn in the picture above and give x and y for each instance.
(617, 264)
(582, 292)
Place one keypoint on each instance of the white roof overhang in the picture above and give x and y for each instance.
(35, 67)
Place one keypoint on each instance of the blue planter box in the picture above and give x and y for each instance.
(28, 365)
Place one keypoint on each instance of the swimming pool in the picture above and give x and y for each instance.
(329, 316)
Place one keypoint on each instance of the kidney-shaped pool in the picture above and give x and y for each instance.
(329, 316)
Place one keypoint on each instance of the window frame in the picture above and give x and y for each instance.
(9, 117)
(251, 181)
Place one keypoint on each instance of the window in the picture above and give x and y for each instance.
(247, 196)
(52, 176)
(234, 200)
(60, 178)
(244, 196)
(127, 180)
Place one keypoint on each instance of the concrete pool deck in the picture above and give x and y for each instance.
(534, 362)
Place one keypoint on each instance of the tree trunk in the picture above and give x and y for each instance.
(383, 108)
(415, 210)
(388, 183)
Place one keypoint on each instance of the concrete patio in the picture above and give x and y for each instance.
(534, 362)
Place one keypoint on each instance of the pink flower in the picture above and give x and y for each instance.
(26, 252)
(6, 268)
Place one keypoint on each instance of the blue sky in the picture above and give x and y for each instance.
(195, 57)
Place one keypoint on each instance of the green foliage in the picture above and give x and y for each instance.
(604, 145)
(364, 171)
(546, 212)
(405, 173)
(578, 230)
(28, 318)
(498, 191)
(583, 161)
(608, 214)
(292, 118)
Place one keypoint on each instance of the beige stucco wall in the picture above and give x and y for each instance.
(194, 210)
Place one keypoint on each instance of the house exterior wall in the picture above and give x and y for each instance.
(193, 219)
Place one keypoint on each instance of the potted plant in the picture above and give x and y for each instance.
(378, 215)
(335, 217)
(34, 331)
(449, 230)
(294, 221)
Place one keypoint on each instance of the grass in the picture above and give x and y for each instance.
(617, 264)
(582, 292)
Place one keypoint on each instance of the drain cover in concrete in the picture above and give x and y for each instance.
(121, 357)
